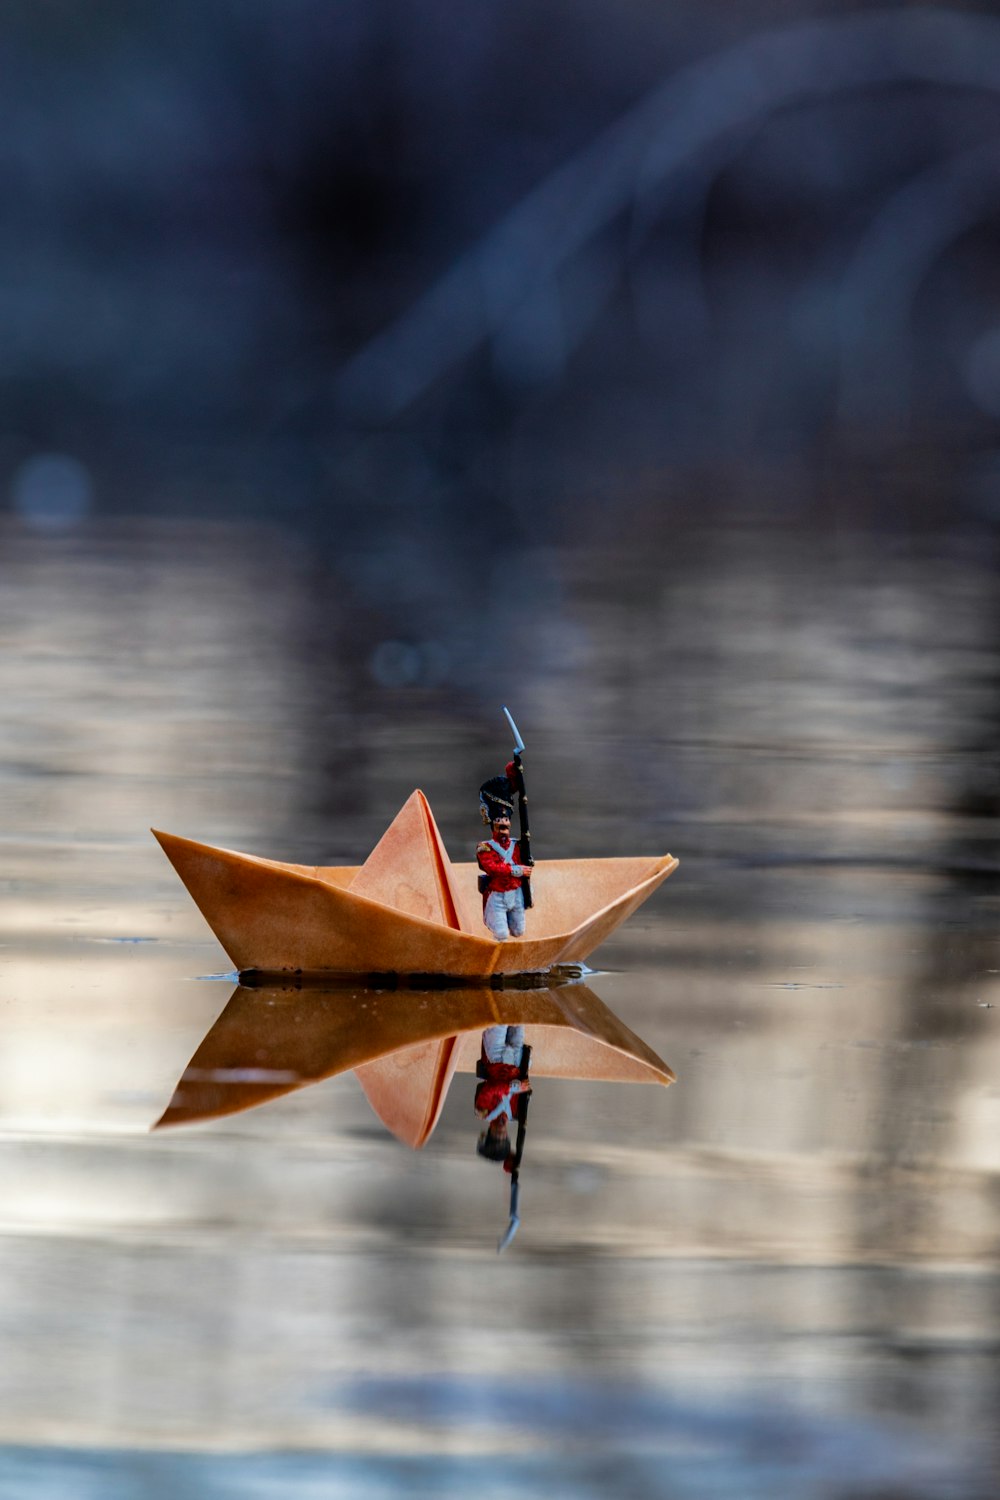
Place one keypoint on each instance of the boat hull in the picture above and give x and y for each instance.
(275, 918)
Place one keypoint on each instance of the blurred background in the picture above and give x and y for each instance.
(427, 278)
(363, 367)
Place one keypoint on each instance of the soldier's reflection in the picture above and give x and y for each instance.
(501, 1098)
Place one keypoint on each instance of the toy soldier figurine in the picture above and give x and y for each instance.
(502, 1067)
(501, 1098)
(500, 860)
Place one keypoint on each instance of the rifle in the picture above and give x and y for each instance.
(524, 836)
(522, 1120)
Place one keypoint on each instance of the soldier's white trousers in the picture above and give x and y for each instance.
(504, 914)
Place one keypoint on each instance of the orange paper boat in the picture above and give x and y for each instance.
(406, 910)
(404, 1045)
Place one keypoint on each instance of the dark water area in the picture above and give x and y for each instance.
(776, 1277)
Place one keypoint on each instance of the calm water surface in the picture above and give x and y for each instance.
(777, 1278)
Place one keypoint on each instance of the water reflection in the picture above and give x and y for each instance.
(404, 1045)
(791, 1256)
(503, 1097)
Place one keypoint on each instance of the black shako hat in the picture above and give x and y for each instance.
(495, 798)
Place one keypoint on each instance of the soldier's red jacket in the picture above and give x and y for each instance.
(501, 1079)
(501, 876)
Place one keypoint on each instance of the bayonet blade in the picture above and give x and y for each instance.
(518, 742)
(506, 1238)
(514, 1222)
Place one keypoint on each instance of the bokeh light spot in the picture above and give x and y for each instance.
(395, 664)
(52, 492)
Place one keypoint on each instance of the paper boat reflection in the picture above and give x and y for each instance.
(406, 910)
(405, 1045)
